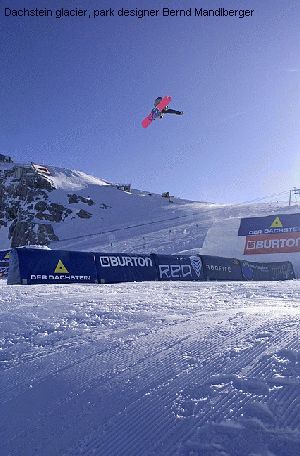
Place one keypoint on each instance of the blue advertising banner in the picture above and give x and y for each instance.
(122, 267)
(218, 268)
(4, 262)
(179, 267)
(267, 271)
(271, 224)
(4, 256)
(36, 266)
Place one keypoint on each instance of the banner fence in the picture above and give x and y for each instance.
(37, 266)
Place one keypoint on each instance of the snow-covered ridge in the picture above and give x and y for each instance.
(67, 179)
(61, 178)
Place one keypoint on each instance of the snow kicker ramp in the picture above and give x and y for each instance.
(270, 238)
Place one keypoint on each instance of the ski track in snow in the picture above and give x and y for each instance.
(187, 369)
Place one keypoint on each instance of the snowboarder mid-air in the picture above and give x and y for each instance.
(166, 110)
(161, 107)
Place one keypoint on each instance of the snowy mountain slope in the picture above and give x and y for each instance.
(71, 203)
(67, 179)
(140, 220)
(68, 209)
(161, 369)
(176, 228)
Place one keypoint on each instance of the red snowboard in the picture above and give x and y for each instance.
(156, 112)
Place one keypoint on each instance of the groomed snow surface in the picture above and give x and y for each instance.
(206, 369)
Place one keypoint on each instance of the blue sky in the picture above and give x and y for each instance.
(73, 93)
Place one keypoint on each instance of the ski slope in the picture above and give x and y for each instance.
(144, 222)
(149, 224)
(136, 221)
(206, 369)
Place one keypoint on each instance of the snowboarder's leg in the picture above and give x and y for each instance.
(172, 111)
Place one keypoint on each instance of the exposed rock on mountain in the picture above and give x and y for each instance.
(26, 208)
